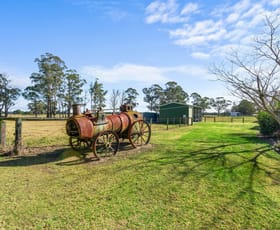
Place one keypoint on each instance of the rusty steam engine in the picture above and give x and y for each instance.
(102, 133)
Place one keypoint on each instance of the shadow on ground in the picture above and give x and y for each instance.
(63, 156)
(43, 157)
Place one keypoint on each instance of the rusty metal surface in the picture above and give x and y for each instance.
(114, 123)
(88, 127)
(80, 124)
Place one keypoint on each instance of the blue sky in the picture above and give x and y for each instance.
(129, 43)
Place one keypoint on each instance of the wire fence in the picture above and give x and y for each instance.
(52, 132)
(239, 119)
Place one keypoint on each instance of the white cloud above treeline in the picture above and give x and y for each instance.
(203, 29)
(142, 73)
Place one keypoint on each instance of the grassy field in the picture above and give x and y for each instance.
(207, 176)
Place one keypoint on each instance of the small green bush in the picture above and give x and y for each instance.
(268, 125)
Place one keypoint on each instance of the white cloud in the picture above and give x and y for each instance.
(169, 12)
(17, 77)
(144, 74)
(200, 55)
(231, 24)
(201, 32)
(189, 8)
(126, 72)
(232, 18)
(274, 2)
(241, 6)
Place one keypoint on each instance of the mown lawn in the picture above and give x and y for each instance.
(208, 176)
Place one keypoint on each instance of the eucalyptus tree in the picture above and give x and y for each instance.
(196, 99)
(219, 104)
(71, 90)
(153, 97)
(245, 107)
(48, 80)
(8, 94)
(97, 95)
(202, 102)
(131, 95)
(36, 105)
(174, 93)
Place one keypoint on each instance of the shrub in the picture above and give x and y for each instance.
(268, 125)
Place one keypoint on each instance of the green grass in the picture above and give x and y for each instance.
(208, 176)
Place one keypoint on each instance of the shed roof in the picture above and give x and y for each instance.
(174, 103)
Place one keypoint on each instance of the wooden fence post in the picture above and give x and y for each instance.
(18, 137)
(3, 134)
(167, 121)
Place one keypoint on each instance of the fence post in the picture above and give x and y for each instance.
(18, 137)
(151, 122)
(243, 119)
(167, 121)
(3, 133)
(214, 119)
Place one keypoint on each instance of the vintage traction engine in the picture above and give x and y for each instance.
(102, 133)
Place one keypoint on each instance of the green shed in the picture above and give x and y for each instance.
(175, 113)
(179, 113)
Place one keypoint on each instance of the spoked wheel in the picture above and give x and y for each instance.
(79, 144)
(106, 144)
(139, 133)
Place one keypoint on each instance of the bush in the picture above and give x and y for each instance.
(268, 125)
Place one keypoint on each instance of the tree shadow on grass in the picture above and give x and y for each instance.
(245, 162)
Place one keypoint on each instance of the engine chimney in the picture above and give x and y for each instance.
(76, 109)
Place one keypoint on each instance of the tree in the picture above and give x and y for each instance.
(131, 97)
(71, 90)
(97, 95)
(196, 99)
(153, 96)
(122, 97)
(39, 107)
(114, 99)
(47, 82)
(219, 104)
(202, 102)
(205, 104)
(31, 93)
(245, 107)
(254, 75)
(8, 94)
(174, 93)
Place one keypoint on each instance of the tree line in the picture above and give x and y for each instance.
(55, 88)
